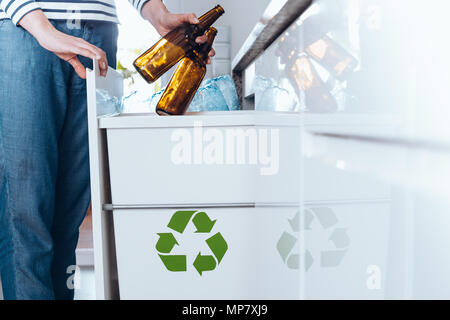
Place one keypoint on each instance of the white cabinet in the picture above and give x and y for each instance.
(227, 177)
(346, 249)
(247, 266)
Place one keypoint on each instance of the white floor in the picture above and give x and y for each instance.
(86, 288)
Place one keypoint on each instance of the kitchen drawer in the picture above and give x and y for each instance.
(217, 68)
(221, 67)
(143, 170)
(222, 51)
(346, 250)
(331, 179)
(250, 267)
(323, 182)
(223, 34)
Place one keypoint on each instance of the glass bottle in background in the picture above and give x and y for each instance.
(302, 74)
(186, 80)
(332, 56)
(174, 46)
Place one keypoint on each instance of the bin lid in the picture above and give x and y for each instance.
(206, 119)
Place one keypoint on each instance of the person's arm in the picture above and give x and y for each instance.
(16, 9)
(27, 14)
(164, 21)
(62, 45)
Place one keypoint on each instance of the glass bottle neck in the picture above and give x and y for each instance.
(206, 20)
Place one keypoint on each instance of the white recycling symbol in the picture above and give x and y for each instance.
(328, 257)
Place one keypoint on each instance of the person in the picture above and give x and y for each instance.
(44, 156)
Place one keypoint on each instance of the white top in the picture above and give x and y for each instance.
(93, 10)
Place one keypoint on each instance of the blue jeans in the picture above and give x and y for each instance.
(44, 160)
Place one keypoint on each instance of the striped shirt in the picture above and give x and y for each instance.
(99, 10)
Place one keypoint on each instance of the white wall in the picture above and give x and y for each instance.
(241, 15)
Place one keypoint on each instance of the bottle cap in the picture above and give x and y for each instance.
(219, 9)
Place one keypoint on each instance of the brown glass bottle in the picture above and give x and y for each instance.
(305, 78)
(332, 56)
(186, 79)
(172, 47)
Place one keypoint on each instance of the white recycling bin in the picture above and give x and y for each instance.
(198, 201)
(197, 214)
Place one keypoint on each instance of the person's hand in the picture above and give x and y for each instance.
(164, 21)
(68, 48)
(62, 45)
(171, 20)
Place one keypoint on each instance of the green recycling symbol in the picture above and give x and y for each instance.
(203, 224)
(326, 223)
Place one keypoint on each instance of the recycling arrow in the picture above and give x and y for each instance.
(218, 246)
(286, 244)
(293, 261)
(340, 238)
(309, 260)
(295, 222)
(166, 242)
(180, 220)
(174, 263)
(204, 263)
(326, 217)
(331, 258)
(203, 223)
(309, 218)
(327, 220)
